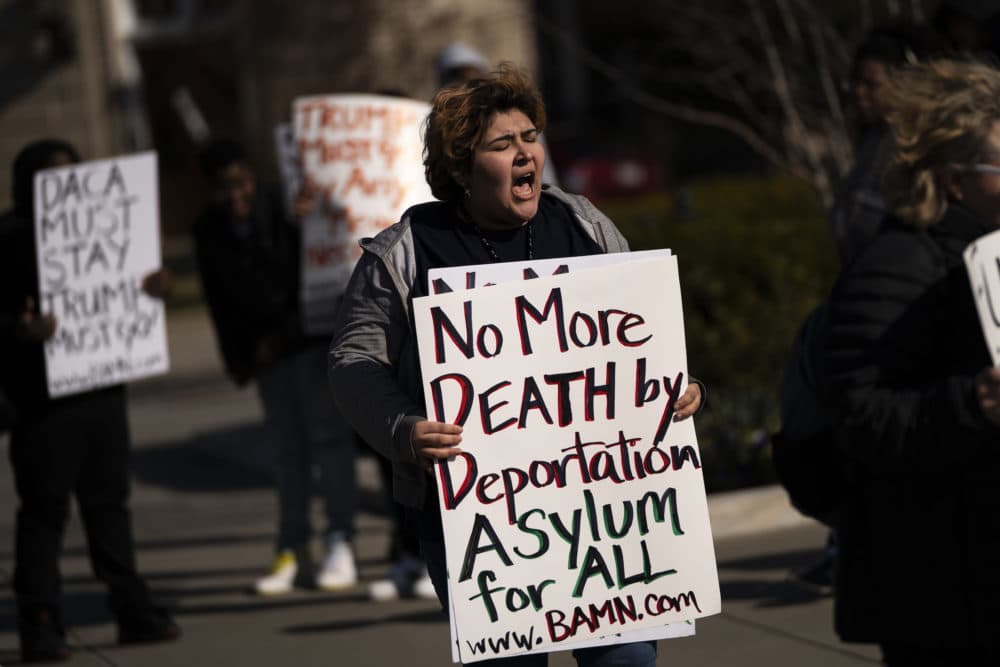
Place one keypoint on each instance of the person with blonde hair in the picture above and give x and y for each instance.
(915, 399)
(943, 127)
(856, 217)
(484, 162)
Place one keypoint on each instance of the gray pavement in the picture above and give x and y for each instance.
(203, 511)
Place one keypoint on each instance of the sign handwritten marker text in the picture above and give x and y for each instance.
(364, 153)
(97, 235)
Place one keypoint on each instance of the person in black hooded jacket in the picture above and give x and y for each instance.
(75, 445)
(916, 401)
(249, 260)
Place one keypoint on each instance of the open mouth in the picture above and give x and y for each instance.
(524, 185)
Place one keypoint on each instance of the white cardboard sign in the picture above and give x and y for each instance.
(454, 278)
(97, 234)
(982, 259)
(483, 275)
(365, 154)
(577, 509)
(289, 165)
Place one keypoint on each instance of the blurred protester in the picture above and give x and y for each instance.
(484, 162)
(859, 206)
(75, 445)
(457, 63)
(249, 259)
(916, 401)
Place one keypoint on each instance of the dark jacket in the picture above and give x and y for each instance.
(859, 207)
(250, 278)
(22, 363)
(918, 546)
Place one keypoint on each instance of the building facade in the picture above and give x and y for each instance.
(118, 76)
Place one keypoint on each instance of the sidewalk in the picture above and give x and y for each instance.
(203, 511)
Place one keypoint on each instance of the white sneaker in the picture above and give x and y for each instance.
(338, 569)
(407, 578)
(281, 579)
(383, 590)
(423, 587)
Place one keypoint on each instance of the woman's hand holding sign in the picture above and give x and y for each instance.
(689, 402)
(433, 441)
(159, 284)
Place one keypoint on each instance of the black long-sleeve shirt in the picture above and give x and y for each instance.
(250, 277)
(22, 363)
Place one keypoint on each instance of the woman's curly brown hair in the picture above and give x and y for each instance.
(460, 116)
(940, 115)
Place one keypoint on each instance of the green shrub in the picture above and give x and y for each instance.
(754, 257)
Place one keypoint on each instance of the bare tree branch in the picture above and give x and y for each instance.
(767, 72)
(841, 53)
(832, 95)
(865, 11)
(672, 109)
(791, 26)
(798, 137)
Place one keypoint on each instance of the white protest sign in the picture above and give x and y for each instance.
(289, 165)
(97, 233)
(455, 278)
(577, 509)
(364, 152)
(982, 259)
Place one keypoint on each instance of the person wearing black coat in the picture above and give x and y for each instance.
(249, 259)
(76, 445)
(915, 399)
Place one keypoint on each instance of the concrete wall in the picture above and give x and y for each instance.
(325, 46)
(47, 96)
(282, 49)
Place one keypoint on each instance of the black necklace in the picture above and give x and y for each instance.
(490, 250)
